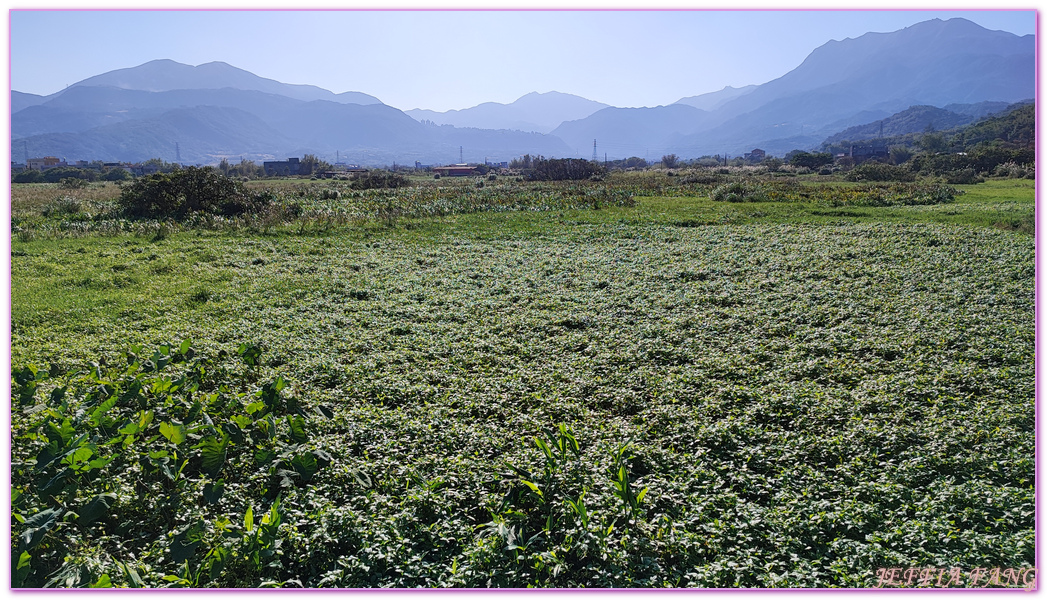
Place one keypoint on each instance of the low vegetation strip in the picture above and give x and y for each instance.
(606, 404)
(896, 194)
(201, 199)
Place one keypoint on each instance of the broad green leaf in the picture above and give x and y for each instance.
(543, 447)
(305, 465)
(103, 582)
(61, 433)
(175, 433)
(95, 509)
(639, 497)
(213, 454)
(215, 561)
(194, 412)
(37, 526)
(249, 353)
(134, 580)
(57, 395)
(296, 430)
(22, 569)
(101, 409)
(534, 488)
(76, 458)
(264, 456)
(213, 491)
(185, 543)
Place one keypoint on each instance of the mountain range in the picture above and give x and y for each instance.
(164, 109)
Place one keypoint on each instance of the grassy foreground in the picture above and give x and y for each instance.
(676, 393)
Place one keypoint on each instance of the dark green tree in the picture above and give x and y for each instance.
(185, 191)
(810, 160)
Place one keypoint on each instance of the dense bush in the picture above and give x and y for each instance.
(72, 183)
(740, 191)
(186, 191)
(1013, 170)
(963, 177)
(117, 174)
(54, 175)
(562, 169)
(378, 180)
(880, 172)
(810, 160)
(28, 176)
(983, 159)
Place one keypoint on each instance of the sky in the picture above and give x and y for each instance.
(454, 59)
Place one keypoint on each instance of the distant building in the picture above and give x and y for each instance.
(281, 167)
(138, 169)
(456, 171)
(42, 164)
(756, 155)
(863, 152)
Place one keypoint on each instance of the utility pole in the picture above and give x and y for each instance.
(178, 154)
(461, 160)
(594, 151)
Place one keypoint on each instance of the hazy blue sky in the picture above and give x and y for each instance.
(457, 59)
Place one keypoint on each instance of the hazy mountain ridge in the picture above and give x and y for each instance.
(538, 112)
(165, 75)
(714, 100)
(955, 65)
(917, 119)
(21, 100)
(117, 123)
(935, 62)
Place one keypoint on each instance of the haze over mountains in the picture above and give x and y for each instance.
(216, 110)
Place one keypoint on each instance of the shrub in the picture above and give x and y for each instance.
(702, 177)
(117, 174)
(1013, 170)
(186, 191)
(376, 180)
(71, 183)
(880, 172)
(28, 176)
(963, 176)
(809, 160)
(62, 206)
(740, 191)
(563, 169)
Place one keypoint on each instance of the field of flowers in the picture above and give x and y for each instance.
(611, 393)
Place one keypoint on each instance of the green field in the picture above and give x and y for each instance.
(470, 387)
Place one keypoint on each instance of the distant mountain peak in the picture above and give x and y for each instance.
(162, 75)
(535, 111)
